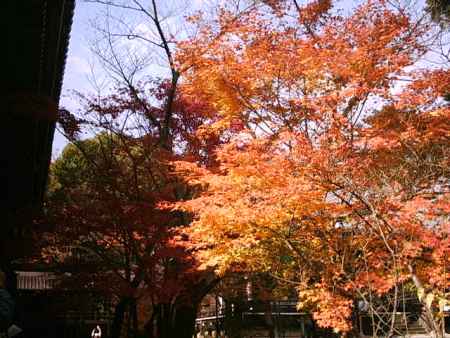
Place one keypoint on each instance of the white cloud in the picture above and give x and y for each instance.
(77, 64)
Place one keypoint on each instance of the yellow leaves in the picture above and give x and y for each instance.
(430, 297)
(255, 69)
(429, 300)
(438, 112)
(262, 194)
(308, 179)
(329, 310)
(420, 293)
(442, 303)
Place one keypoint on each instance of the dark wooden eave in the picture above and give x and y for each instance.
(34, 47)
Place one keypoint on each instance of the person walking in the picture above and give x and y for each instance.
(96, 332)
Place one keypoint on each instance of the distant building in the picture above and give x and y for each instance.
(250, 318)
(49, 310)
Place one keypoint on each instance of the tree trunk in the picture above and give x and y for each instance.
(177, 318)
(268, 317)
(183, 325)
(434, 326)
(119, 314)
(172, 321)
(134, 318)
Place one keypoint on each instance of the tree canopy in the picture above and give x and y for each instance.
(339, 182)
(293, 141)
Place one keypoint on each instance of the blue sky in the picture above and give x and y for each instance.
(77, 63)
(80, 60)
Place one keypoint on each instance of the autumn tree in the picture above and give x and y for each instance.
(108, 189)
(105, 204)
(339, 183)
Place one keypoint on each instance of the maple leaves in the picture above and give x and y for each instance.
(337, 168)
(107, 196)
(316, 149)
(333, 312)
(273, 77)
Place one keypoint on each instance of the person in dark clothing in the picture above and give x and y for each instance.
(6, 305)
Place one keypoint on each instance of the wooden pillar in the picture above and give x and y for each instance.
(29, 121)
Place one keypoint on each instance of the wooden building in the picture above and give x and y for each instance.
(35, 42)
